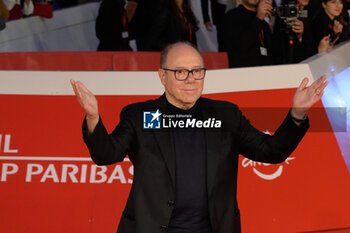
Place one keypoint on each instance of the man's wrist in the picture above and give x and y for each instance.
(260, 16)
(91, 123)
(92, 117)
(299, 118)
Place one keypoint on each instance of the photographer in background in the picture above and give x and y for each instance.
(292, 35)
(248, 36)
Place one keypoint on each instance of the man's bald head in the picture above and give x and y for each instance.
(168, 48)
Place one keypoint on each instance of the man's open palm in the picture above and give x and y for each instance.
(88, 102)
(305, 97)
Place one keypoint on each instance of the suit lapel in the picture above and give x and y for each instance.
(164, 139)
(213, 144)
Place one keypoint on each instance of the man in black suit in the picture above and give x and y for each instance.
(111, 26)
(248, 37)
(185, 176)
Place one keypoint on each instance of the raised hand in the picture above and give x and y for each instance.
(209, 26)
(305, 97)
(298, 27)
(264, 9)
(324, 44)
(88, 102)
(338, 27)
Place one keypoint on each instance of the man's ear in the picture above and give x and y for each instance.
(162, 76)
(324, 5)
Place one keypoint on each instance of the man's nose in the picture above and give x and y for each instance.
(190, 77)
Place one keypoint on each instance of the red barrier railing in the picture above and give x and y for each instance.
(96, 61)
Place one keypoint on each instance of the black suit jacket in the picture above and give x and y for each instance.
(151, 199)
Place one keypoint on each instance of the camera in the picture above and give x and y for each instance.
(289, 10)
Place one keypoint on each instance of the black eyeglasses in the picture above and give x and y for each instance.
(182, 74)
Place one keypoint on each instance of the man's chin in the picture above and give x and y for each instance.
(190, 101)
(252, 5)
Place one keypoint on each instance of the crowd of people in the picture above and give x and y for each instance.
(152, 23)
(256, 36)
(17, 9)
(252, 32)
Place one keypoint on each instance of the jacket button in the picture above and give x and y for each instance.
(171, 203)
(163, 228)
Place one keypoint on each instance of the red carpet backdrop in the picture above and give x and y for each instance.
(49, 184)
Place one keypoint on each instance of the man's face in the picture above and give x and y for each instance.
(182, 94)
(250, 3)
